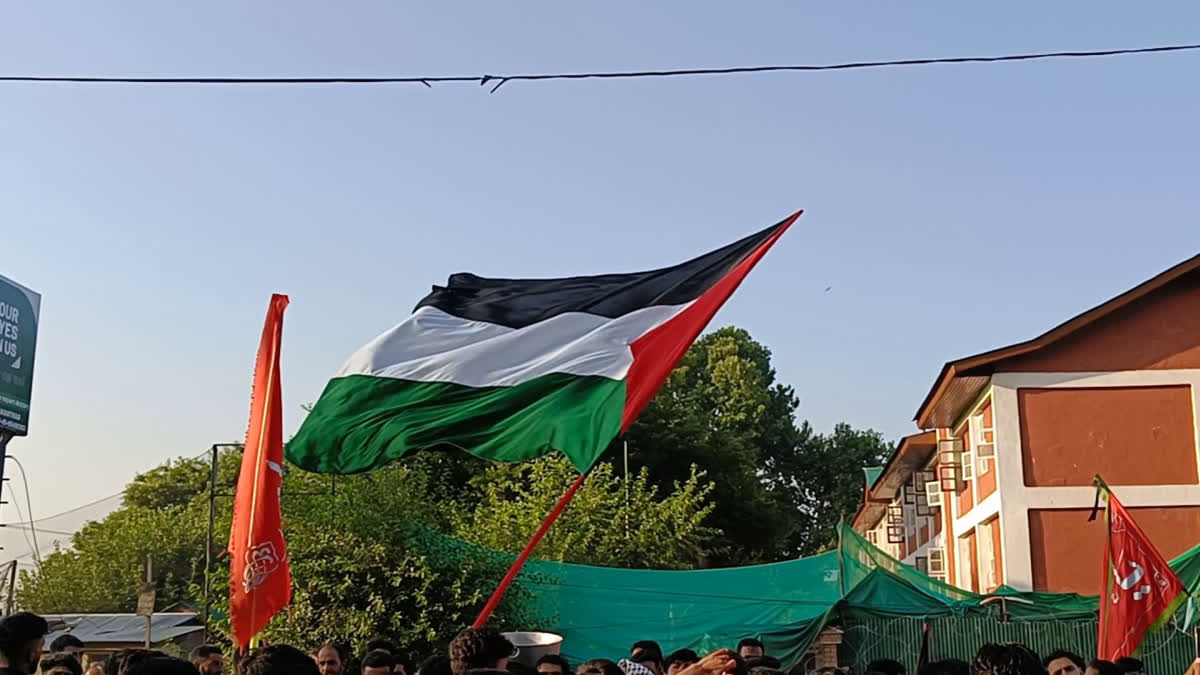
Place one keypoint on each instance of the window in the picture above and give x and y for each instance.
(933, 493)
(983, 440)
(987, 557)
(950, 464)
(873, 537)
(937, 562)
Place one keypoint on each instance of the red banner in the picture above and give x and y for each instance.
(1140, 591)
(260, 582)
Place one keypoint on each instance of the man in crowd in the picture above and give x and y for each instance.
(62, 663)
(751, 648)
(1130, 666)
(208, 660)
(67, 644)
(278, 660)
(378, 662)
(1063, 662)
(329, 659)
(648, 654)
(680, 659)
(480, 651)
(1006, 659)
(553, 664)
(436, 665)
(21, 638)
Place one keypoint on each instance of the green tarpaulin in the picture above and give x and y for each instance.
(601, 611)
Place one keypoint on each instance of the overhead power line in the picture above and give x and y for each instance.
(500, 80)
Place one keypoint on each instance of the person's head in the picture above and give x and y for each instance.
(553, 664)
(1101, 667)
(61, 663)
(750, 648)
(67, 644)
(886, 667)
(762, 664)
(946, 667)
(278, 660)
(161, 664)
(378, 662)
(680, 659)
(330, 659)
(21, 639)
(599, 667)
(477, 648)
(434, 665)
(1063, 662)
(518, 668)
(648, 655)
(1130, 666)
(209, 660)
(95, 668)
(381, 645)
(1006, 659)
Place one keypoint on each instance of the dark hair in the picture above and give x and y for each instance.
(342, 652)
(203, 652)
(518, 668)
(647, 654)
(1064, 654)
(1011, 658)
(478, 648)
(1104, 667)
(61, 660)
(555, 660)
(644, 644)
(749, 642)
(945, 667)
(381, 644)
(16, 632)
(764, 661)
(161, 664)
(378, 658)
(600, 667)
(1128, 664)
(685, 656)
(278, 660)
(886, 667)
(435, 665)
(65, 641)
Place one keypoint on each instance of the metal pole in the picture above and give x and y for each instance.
(12, 587)
(5, 437)
(208, 542)
(625, 444)
(149, 580)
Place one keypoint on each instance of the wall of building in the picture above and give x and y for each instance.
(1074, 423)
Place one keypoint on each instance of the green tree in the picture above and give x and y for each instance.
(601, 526)
(722, 410)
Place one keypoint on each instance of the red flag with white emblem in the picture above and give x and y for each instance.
(1140, 591)
(260, 582)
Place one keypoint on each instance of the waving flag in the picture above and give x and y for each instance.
(260, 582)
(512, 369)
(1140, 591)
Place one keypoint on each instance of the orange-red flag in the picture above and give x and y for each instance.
(260, 582)
(1140, 590)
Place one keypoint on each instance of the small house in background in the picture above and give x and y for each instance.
(997, 489)
(174, 632)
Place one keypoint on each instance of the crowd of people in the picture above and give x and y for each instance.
(488, 652)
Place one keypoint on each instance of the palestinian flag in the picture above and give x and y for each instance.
(512, 369)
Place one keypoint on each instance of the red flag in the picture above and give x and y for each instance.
(260, 582)
(1140, 591)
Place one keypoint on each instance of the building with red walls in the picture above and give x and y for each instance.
(998, 488)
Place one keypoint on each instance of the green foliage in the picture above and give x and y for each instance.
(779, 488)
(601, 526)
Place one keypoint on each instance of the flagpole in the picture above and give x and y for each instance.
(509, 576)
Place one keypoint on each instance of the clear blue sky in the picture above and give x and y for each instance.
(951, 208)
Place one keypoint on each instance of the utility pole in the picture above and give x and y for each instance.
(625, 445)
(208, 541)
(145, 602)
(12, 587)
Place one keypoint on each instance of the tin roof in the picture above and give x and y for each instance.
(120, 628)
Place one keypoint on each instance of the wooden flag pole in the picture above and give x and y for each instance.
(509, 576)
